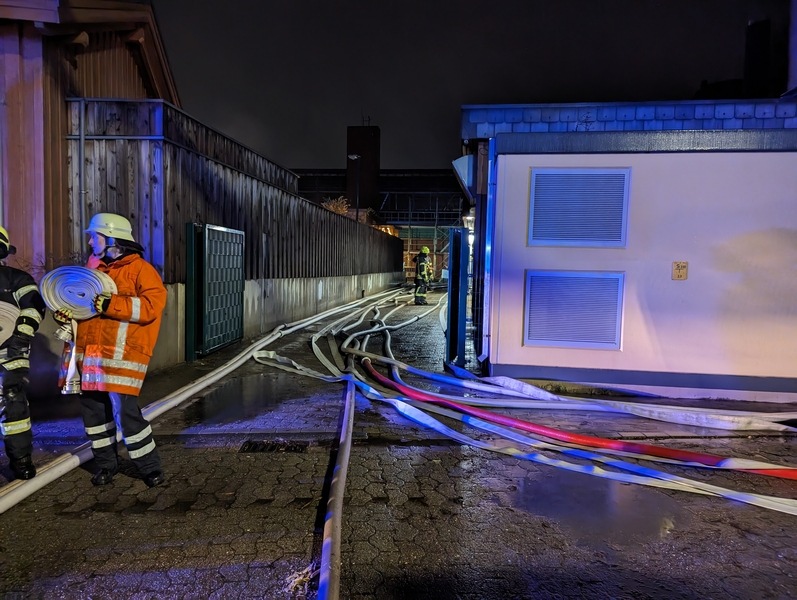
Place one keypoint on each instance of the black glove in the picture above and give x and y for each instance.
(101, 303)
(18, 345)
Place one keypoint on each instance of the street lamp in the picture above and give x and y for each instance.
(468, 221)
(357, 187)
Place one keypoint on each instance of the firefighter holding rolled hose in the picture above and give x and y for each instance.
(24, 310)
(113, 349)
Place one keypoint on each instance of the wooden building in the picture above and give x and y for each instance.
(51, 51)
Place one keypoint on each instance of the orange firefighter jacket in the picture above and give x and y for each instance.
(113, 349)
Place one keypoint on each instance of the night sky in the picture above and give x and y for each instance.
(287, 77)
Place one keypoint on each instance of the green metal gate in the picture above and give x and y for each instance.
(214, 289)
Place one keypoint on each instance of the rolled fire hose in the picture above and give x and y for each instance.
(8, 320)
(74, 288)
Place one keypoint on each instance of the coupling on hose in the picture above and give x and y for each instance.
(65, 332)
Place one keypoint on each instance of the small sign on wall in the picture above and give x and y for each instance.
(680, 269)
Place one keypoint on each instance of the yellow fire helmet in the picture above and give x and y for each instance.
(5, 243)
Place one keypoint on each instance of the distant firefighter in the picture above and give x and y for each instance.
(21, 311)
(423, 274)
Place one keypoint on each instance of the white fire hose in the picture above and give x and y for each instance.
(16, 491)
(74, 288)
(8, 320)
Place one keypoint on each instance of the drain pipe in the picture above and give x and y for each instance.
(81, 165)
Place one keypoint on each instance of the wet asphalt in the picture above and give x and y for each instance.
(248, 461)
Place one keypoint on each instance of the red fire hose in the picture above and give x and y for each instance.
(710, 460)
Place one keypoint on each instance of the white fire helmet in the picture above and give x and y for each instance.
(111, 225)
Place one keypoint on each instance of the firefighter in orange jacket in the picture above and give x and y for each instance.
(113, 350)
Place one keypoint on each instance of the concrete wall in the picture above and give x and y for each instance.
(271, 302)
(268, 303)
(170, 349)
(730, 215)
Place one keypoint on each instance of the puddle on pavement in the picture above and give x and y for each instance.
(601, 512)
(243, 398)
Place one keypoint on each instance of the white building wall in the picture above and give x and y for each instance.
(732, 216)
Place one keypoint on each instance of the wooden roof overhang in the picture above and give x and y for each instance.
(29, 10)
(79, 18)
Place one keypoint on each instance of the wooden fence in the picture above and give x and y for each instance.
(161, 168)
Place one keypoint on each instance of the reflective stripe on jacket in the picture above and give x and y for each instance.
(114, 349)
(19, 290)
(423, 267)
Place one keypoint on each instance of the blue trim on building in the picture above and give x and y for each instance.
(619, 142)
(487, 121)
(489, 235)
(648, 378)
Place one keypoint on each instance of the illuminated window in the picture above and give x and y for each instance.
(578, 207)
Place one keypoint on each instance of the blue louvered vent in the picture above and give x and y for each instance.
(578, 207)
(573, 309)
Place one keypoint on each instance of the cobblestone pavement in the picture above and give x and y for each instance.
(424, 516)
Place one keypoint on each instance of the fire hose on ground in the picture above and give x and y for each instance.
(630, 448)
(76, 294)
(524, 395)
(642, 475)
(330, 566)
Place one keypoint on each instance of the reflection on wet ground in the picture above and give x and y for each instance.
(601, 513)
(245, 398)
(257, 407)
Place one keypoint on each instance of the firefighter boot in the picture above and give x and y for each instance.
(154, 479)
(103, 477)
(23, 468)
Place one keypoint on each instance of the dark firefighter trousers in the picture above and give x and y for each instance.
(421, 287)
(98, 418)
(15, 415)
